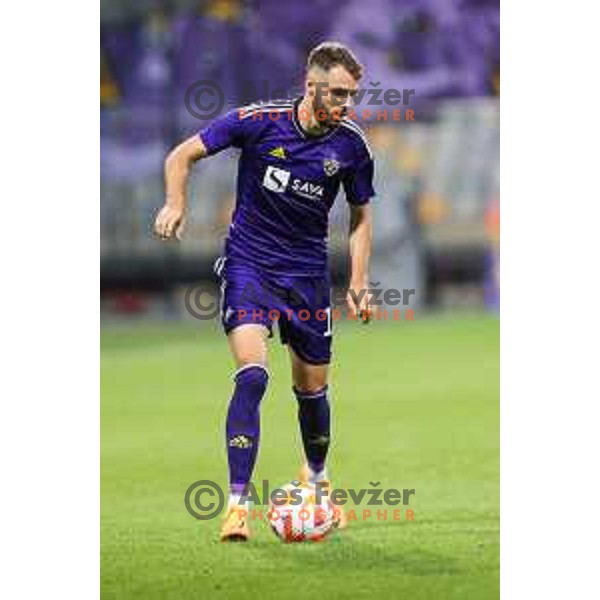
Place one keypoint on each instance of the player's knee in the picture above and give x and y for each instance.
(248, 345)
(310, 381)
(243, 359)
(254, 377)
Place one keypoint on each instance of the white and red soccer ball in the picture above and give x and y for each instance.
(299, 518)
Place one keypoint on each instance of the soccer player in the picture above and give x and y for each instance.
(294, 157)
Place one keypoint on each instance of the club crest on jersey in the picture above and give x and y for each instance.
(331, 166)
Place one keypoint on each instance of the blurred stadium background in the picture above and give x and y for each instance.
(434, 383)
(437, 213)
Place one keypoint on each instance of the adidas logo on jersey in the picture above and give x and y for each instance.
(278, 152)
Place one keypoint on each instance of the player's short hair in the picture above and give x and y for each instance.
(330, 54)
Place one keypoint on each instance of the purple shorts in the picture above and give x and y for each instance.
(299, 305)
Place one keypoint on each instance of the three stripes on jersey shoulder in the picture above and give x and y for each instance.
(252, 109)
(352, 126)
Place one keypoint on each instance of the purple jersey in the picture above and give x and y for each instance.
(287, 183)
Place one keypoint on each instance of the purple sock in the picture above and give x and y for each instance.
(314, 419)
(243, 424)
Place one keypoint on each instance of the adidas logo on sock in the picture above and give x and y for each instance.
(240, 441)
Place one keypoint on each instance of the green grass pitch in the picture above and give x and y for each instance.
(416, 405)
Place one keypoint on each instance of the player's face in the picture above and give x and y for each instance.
(332, 93)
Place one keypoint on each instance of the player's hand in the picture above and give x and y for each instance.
(169, 223)
(358, 300)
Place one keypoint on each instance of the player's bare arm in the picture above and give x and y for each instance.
(170, 221)
(361, 234)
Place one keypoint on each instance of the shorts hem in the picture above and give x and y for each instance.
(229, 328)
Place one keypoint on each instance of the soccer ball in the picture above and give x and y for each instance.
(298, 518)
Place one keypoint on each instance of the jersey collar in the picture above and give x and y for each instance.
(305, 134)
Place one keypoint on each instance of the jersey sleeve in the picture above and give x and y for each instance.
(358, 182)
(225, 131)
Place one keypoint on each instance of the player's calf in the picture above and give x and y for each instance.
(242, 439)
(314, 418)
